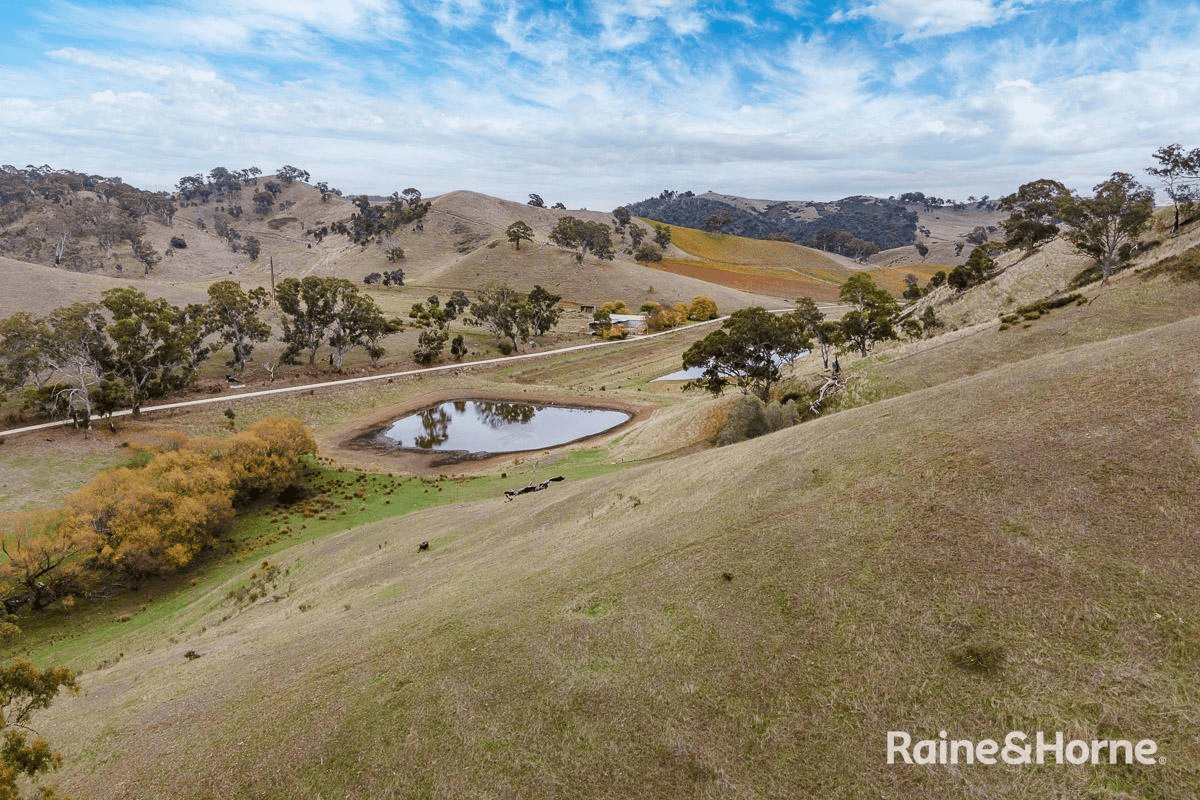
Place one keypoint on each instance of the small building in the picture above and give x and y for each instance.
(587, 309)
(633, 323)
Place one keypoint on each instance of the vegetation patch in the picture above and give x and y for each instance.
(1182, 267)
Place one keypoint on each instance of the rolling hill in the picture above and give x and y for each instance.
(995, 534)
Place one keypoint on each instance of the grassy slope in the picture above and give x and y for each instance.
(780, 268)
(583, 642)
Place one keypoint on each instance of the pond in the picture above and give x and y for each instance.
(495, 426)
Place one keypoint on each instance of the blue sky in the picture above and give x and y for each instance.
(596, 104)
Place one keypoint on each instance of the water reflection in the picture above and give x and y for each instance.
(498, 414)
(496, 426)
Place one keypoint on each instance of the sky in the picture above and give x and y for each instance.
(599, 104)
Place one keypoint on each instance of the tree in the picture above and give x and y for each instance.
(22, 351)
(912, 287)
(810, 318)
(76, 347)
(155, 519)
(1180, 174)
(252, 247)
(702, 308)
(749, 351)
(716, 222)
(620, 217)
(536, 201)
(434, 322)
(647, 254)
(517, 232)
(662, 235)
(289, 174)
(234, 315)
(978, 268)
(24, 689)
(41, 558)
(542, 310)
(516, 317)
(154, 349)
(1036, 208)
(357, 322)
(874, 311)
(1106, 225)
(307, 305)
(584, 237)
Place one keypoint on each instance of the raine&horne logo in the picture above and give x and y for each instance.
(1019, 747)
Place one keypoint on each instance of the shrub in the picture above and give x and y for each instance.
(746, 418)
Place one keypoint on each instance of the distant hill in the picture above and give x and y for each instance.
(881, 223)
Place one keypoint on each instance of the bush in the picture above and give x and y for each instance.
(702, 308)
(745, 419)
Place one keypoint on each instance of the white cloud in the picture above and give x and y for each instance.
(920, 18)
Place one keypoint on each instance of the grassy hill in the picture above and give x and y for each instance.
(461, 244)
(778, 268)
(996, 533)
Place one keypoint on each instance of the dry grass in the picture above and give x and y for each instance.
(585, 642)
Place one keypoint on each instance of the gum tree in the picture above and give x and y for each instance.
(1106, 225)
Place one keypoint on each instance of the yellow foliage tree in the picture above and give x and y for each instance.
(43, 558)
(154, 519)
(702, 308)
(614, 307)
(264, 458)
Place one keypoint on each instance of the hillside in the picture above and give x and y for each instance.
(880, 223)
(193, 240)
(1004, 543)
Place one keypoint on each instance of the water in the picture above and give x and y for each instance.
(496, 426)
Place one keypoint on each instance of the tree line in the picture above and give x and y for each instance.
(91, 358)
(512, 317)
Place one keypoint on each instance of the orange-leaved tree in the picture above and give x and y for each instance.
(157, 518)
(43, 558)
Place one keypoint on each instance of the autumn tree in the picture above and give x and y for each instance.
(154, 519)
(748, 351)
(24, 688)
(235, 319)
(702, 308)
(519, 231)
(42, 558)
(1106, 225)
(261, 460)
